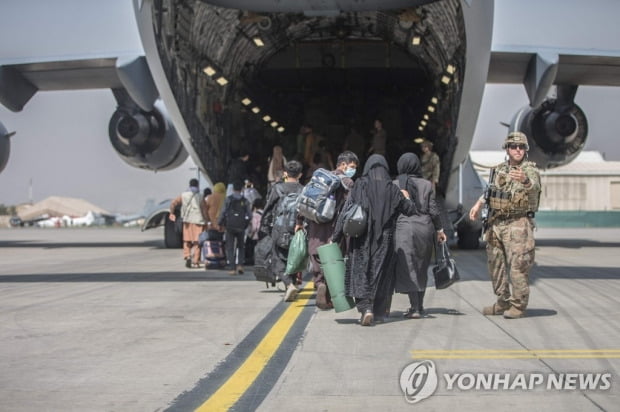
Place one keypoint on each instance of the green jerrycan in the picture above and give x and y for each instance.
(332, 263)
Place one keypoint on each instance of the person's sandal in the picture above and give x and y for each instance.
(367, 318)
(411, 313)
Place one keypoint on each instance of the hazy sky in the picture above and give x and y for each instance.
(62, 143)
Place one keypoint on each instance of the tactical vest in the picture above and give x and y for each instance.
(510, 198)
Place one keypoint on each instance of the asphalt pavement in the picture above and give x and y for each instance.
(103, 319)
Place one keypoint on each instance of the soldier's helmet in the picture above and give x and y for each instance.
(516, 137)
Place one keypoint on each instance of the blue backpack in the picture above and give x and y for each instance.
(317, 200)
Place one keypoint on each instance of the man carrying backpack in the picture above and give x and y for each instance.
(280, 221)
(321, 233)
(235, 218)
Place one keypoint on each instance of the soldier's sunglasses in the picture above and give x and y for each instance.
(515, 146)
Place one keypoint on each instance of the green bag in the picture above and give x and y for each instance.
(297, 253)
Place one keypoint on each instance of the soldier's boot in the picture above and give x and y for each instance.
(494, 309)
(514, 313)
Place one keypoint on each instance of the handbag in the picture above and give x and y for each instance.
(355, 221)
(444, 271)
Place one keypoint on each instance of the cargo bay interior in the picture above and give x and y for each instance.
(247, 80)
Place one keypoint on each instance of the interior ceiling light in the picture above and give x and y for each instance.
(431, 109)
(426, 116)
(266, 118)
(222, 81)
(255, 109)
(416, 40)
(274, 124)
(209, 71)
(420, 128)
(418, 140)
(246, 101)
(450, 69)
(258, 41)
(280, 129)
(434, 100)
(445, 79)
(423, 122)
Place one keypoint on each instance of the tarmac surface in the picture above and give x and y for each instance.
(108, 320)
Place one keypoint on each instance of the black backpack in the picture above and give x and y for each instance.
(285, 218)
(236, 213)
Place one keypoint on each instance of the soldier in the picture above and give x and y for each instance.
(513, 195)
(430, 163)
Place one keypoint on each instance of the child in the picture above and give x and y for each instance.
(252, 236)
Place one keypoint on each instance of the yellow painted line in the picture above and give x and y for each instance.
(240, 381)
(517, 354)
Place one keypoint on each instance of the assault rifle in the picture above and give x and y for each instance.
(487, 211)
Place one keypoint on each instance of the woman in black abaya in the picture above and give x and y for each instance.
(366, 278)
(415, 235)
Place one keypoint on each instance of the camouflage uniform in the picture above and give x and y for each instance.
(430, 166)
(510, 237)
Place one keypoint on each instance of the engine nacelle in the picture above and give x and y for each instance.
(146, 140)
(556, 132)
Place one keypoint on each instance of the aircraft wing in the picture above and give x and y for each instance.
(140, 129)
(20, 80)
(539, 68)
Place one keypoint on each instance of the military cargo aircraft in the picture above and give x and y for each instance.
(219, 76)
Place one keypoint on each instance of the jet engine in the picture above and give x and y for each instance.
(146, 140)
(557, 131)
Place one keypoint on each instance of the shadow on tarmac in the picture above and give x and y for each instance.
(397, 316)
(200, 275)
(567, 243)
(573, 272)
(153, 244)
(538, 312)
(574, 243)
(197, 275)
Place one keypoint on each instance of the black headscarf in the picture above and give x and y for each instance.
(381, 200)
(409, 165)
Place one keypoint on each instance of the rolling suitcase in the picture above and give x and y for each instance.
(213, 254)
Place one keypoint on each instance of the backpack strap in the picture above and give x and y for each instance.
(184, 217)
